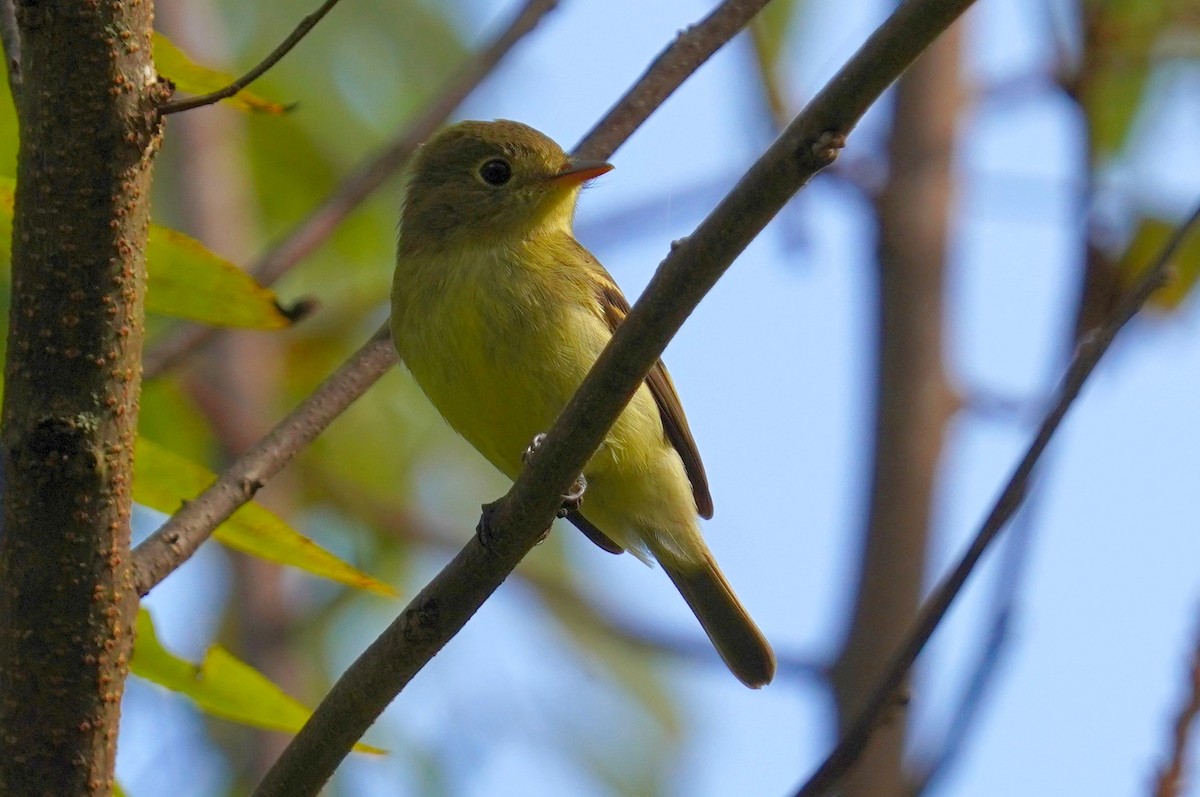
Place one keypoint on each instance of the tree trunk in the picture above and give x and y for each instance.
(914, 403)
(86, 99)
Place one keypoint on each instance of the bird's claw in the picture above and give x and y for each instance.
(572, 499)
(534, 445)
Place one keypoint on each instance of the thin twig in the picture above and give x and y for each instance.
(306, 24)
(164, 550)
(1170, 780)
(992, 648)
(691, 48)
(441, 609)
(1088, 355)
(315, 228)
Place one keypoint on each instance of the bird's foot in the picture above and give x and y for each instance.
(573, 498)
(534, 445)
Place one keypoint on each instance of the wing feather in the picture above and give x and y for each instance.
(615, 307)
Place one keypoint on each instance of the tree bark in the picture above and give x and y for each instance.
(914, 402)
(88, 129)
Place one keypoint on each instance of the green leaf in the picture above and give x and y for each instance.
(184, 279)
(187, 280)
(1147, 243)
(222, 685)
(169, 416)
(164, 480)
(1112, 101)
(193, 78)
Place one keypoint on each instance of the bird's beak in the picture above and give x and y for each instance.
(580, 171)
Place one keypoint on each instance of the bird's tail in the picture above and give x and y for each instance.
(742, 646)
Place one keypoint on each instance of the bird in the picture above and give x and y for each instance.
(498, 312)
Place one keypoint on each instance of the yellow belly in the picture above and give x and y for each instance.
(499, 350)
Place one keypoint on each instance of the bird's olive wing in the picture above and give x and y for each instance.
(615, 307)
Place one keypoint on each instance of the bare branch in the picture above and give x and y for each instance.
(442, 608)
(994, 640)
(1169, 782)
(306, 24)
(1086, 357)
(164, 550)
(675, 64)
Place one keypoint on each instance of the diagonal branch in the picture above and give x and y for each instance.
(315, 228)
(306, 24)
(1088, 355)
(442, 608)
(675, 64)
(173, 544)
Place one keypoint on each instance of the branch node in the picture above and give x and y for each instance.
(251, 485)
(422, 621)
(826, 148)
(300, 309)
(485, 530)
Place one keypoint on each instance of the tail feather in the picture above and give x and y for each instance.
(735, 636)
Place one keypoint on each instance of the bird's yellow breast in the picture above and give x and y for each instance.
(500, 339)
(498, 342)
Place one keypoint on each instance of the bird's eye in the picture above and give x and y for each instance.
(496, 172)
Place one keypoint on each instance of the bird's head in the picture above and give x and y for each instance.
(485, 184)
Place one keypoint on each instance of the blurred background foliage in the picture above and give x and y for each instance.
(377, 486)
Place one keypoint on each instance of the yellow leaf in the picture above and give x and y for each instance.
(191, 77)
(184, 279)
(164, 480)
(222, 685)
